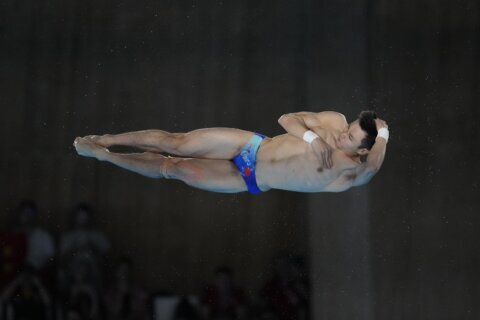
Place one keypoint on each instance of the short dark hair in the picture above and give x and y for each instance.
(366, 119)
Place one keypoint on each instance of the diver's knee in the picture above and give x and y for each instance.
(187, 171)
(173, 168)
(168, 168)
(177, 141)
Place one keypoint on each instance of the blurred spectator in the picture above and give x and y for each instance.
(82, 245)
(286, 294)
(185, 310)
(125, 300)
(40, 245)
(27, 244)
(223, 300)
(300, 284)
(81, 300)
(25, 298)
(13, 249)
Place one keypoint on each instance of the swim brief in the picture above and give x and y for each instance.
(245, 162)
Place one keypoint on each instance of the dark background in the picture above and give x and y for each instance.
(406, 246)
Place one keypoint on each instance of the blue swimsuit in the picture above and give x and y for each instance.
(245, 162)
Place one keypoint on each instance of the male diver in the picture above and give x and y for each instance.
(320, 152)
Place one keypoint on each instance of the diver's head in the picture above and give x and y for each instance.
(359, 137)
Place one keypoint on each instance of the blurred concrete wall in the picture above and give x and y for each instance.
(424, 69)
(404, 247)
(74, 68)
(407, 245)
(339, 223)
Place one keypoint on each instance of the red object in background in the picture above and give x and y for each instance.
(13, 248)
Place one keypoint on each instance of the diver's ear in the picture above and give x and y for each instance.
(363, 151)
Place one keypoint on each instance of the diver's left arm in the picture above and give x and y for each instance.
(365, 172)
(299, 124)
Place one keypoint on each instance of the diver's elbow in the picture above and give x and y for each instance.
(283, 119)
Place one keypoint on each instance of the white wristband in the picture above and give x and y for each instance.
(383, 133)
(309, 136)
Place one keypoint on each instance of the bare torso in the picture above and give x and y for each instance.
(289, 163)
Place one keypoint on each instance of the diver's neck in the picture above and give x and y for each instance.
(353, 156)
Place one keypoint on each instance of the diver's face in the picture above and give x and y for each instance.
(350, 140)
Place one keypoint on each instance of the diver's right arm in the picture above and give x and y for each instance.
(365, 172)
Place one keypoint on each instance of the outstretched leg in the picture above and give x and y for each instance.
(208, 143)
(206, 174)
(147, 164)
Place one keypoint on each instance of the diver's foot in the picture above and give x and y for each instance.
(103, 141)
(87, 148)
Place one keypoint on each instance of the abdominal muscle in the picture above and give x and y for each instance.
(288, 163)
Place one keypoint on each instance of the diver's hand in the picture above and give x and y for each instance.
(380, 124)
(382, 129)
(324, 152)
